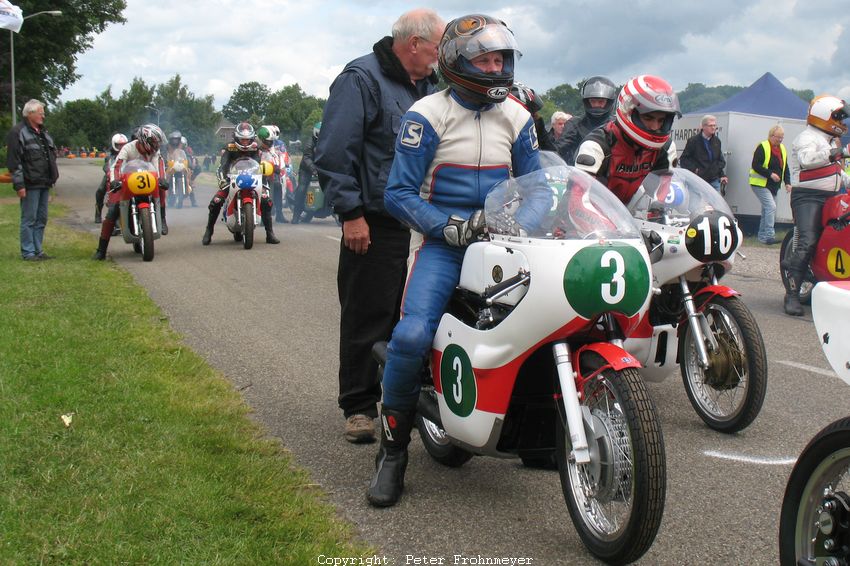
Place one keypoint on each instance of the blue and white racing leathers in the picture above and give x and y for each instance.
(448, 155)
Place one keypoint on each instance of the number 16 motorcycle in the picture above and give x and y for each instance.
(529, 360)
(694, 321)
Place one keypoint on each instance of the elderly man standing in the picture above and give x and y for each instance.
(353, 156)
(31, 161)
(703, 154)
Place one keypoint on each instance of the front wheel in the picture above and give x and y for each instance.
(146, 237)
(437, 443)
(815, 520)
(728, 395)
(248, 225)
(616, 501)
(808, 283)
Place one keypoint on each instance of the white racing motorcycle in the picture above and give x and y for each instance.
(814, 527)
(241, 210)
(694, 322)
(528, 360)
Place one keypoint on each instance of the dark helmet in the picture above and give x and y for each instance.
(150, 137)
(174, 138)
(598, 87)
(245, 137)
(468, 37)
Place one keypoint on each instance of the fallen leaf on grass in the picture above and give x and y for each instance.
(66, 419)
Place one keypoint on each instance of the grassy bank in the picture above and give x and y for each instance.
(119, 445)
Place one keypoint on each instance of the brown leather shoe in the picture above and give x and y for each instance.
(360, 429)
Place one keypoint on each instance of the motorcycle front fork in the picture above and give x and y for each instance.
(135, 225)
(573, 410)
(703, 336)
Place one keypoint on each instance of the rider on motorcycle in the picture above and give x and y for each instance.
(244, 144)
(306, 171)
(148, 139)
(437, 186)
(819, 153)
(267, 137)
(638, 141)
(598, 95)
(117, 142)
(177, 141)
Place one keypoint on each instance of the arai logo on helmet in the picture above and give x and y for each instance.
(664, 99)
(498, 92)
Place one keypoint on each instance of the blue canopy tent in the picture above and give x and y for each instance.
(765, 97)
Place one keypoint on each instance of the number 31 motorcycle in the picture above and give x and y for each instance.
(528, 360)
(140, 218)
(694, 321)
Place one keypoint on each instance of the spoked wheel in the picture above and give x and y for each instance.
(728, 395)
(616, 501)
(437, 443)
(248, 225)
(146, 237)
(815, 520)
(786, 251)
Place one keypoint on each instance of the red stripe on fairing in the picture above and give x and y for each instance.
(494, 386)
(820, 172)
(644, 328)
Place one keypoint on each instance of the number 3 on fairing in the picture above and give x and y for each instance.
(457, 388)
(617, 281)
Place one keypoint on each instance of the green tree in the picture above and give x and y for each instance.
(290, 108)
(249, 99)
(565, 98)
(47, 47)
(181, 110)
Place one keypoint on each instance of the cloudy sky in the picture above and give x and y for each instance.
(217, 44)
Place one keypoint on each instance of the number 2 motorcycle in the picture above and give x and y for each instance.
(528, 359)
(241, 210)
(831, 261)
(814, 527)
(140, 218)
(693, 321)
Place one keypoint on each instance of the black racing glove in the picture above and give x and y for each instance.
(459, 232)
(114, 186)
(224, 183)
(163, 184)
(526, 95)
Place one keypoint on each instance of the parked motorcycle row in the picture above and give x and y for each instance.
(563, 314)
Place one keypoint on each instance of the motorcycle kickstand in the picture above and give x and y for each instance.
(575, 418)
(698, 324)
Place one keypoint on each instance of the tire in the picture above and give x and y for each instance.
(729, 395)
(146, 237)
(437, 443)
(617, 500)
(248, 225)
(808, 283)
(137, 247)
(824, 463)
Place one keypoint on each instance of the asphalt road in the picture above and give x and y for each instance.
(268, 319)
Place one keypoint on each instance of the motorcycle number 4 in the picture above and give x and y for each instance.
(458, 381)
(606, 277)
(712, 237)
(836, 263)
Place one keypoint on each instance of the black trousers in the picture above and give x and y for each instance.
(807, 207)
(370, 289)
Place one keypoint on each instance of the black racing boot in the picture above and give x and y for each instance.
(98, 213)
(100, 254)
(792, 294)
(210, 225)
(267, 224)
(391, 461)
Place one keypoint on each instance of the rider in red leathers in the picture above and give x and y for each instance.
(244, 145)
(625, 150)
(819, 153)
(117, 142)
(149, 138)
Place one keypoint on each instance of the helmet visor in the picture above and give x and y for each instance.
(598, 89)
(477, 41)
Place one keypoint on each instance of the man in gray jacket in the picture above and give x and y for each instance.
(353, 156)
(31, 161)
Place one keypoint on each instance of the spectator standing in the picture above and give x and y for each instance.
(769, 171)
(703, 154)
(597, 96)
(306, 170)
(31, 160)
(353, 156)
(557, 123)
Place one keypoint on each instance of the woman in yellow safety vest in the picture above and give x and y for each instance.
(769, 171)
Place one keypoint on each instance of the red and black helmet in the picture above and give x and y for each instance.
(468, 37)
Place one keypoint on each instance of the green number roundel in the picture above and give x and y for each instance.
(606, 277)
(458, 381)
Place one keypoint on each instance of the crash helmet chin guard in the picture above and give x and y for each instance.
(118, 141)
(150, 138)
(598, 87)
(245, 137)
(468, 37)
(639, 96)
(827, 113)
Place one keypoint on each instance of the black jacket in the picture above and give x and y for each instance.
(773, 166)
(361, 120)
(695, 158)
(31, 157)
(575, 130)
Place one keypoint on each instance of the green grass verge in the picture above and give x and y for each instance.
(160, 463)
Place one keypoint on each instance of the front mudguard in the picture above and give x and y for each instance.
(615, 357)
(702, 296)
